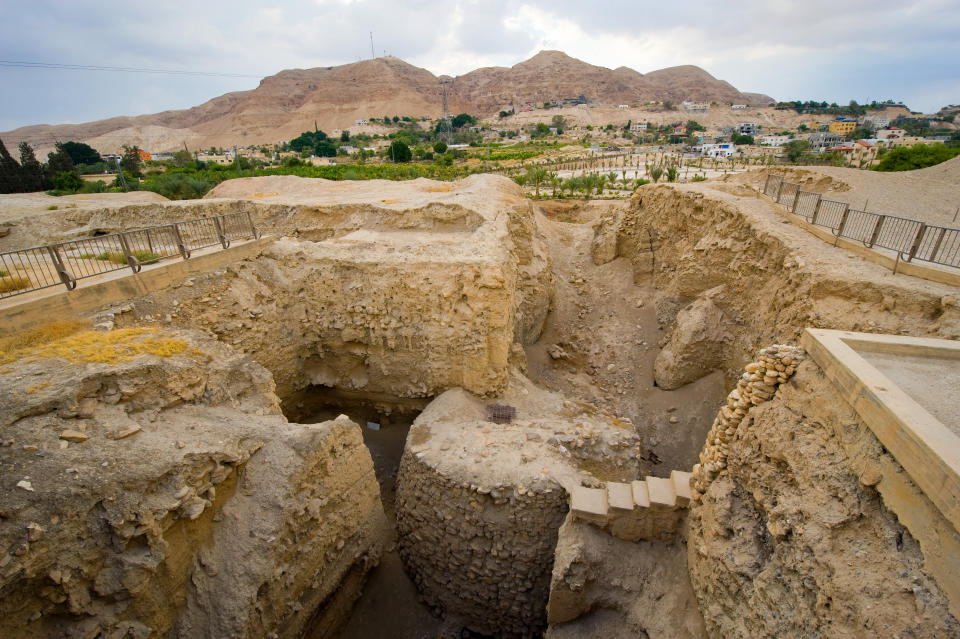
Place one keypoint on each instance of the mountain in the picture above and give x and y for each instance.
(292, 101)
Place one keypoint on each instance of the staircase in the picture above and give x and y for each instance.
(651, 508)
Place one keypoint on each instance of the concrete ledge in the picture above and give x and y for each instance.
(926, 448)
(52, 304)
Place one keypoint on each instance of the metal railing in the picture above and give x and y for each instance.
(68, 262)
(911, 239)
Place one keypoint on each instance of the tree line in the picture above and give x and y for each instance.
(61, 171)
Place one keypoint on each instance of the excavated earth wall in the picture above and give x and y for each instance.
(793, 539)
(732, 277)
(164, 495)
(383, 288)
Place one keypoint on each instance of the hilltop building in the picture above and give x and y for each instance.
(843, 126)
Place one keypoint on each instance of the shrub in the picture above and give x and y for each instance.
(119, 258)
(67, 181)
(699, 178)
(178, 186)
(440, 147)
(10, 283)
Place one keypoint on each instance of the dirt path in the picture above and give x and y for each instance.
(600, 342)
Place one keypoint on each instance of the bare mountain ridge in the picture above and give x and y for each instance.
(285, 104)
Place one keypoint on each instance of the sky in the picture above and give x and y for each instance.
(831, 51)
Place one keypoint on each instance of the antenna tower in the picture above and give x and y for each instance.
(372, 54)
(446, 129)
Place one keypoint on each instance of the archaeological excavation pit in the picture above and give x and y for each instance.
(556, 422)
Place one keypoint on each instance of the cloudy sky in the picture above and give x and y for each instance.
(832, 51)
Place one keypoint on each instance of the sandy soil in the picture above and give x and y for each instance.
(18, 205)
(931, 195)
(607, 328)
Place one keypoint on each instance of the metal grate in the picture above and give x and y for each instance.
(500, 413)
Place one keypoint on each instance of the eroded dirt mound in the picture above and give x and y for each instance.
(152, 488)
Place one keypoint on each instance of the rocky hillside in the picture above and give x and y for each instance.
(292, 101)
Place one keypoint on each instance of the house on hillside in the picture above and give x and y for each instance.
(697, 107)
(875, 122)
(717, 150)
(739, 107)
(820, 140)
(680, 129)
(891, 133)
(638, 126)
(747, 128)
(843, 126)
(774, 140)
(623, 106)
(361, 122)
(860, 152)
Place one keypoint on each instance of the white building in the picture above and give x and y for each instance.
(875, 122)
(623, 106)
(774, 140)
(747, 128)
(361, 122)
(695, 106)
(638, 126)
(719, 150)
(739, 107)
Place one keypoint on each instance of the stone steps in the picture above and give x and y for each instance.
(647, 509)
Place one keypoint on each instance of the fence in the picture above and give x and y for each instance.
(66, 263)
(911, 239)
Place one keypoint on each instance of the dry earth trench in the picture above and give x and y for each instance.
(372, 424)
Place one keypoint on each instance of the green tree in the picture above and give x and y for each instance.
(399, 151)
(917, 156)
(536, 175)
(58, 160)
(181, 158)
(462, 120)
(344, 136)
(130, 160)
(671, 174)
(81, 153)
(31, 170)
(558, 121)
(795, 149)
(741, 140)
(11, 179)
(655, 173)
(440, 146)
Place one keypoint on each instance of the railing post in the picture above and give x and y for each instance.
(936, 245)
(184, 253)
(224, 242)
(796, 198)
(816, 209)
(766, 185)
(253, 229)
(915, 245)
(779, 189)
(68, 280)
(876, 231)
(131, 260)
(843, 223)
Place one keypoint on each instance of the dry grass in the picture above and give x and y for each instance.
(445, 188)
(9, 283)
(69, 341)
